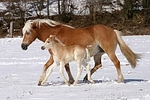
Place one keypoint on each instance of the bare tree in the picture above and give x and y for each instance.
(47, 8)
(64, 10)
(95, 7)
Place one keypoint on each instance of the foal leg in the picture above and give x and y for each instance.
(97, 59)
(87, 66)
(79, 70)
(62, 73)
(48, 63)
(53, 66)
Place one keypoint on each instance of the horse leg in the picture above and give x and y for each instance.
(53, 66)
(67, 68)
(87, 66)
(48, 63)
(116, 63)
(62, 73)
(79, 70)
(97, 59)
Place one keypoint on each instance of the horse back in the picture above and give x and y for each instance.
(96, 35)
(77, 36)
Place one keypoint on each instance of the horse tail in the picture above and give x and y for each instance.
(127, 52)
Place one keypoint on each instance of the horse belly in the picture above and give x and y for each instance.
(68, 58)
(95, 49)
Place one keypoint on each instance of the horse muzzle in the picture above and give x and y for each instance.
(24, 46)
(42, 47)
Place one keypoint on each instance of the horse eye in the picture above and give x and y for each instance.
(47, 41)
(27, 33)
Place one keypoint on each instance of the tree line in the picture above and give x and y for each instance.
(132, 15)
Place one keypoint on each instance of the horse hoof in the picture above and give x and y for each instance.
(85, 80)
(120, 80)
(71, 81)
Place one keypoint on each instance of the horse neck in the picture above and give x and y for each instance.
(44, 32)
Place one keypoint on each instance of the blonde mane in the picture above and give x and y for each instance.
(27, 27)
(51, 23)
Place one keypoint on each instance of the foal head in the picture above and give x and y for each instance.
(51, 41)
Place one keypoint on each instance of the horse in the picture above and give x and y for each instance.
(63, 54)
(102, 39)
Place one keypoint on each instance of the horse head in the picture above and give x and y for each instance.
(39, 28)
(29, 34)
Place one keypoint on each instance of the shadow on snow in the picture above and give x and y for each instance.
(81, 82)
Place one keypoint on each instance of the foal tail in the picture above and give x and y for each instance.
(127, 52)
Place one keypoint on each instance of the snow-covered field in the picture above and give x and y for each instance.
(20, 71)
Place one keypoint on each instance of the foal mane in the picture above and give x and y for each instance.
(56, 40)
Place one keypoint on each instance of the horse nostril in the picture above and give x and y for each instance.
(24, 46)
(42, 47)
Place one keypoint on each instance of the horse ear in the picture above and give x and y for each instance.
(33, 25)
(52, 36)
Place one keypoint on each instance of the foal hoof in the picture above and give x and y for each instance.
(39, 84)
(71, 81)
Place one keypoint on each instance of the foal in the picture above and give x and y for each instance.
(64, 54)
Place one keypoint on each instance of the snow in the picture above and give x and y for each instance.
(20, 71)
(2, 7)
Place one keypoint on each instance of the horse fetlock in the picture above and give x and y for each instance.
(42, 77)
(43, 82)
(85, 79)
(120, 80)
(67, 83)
(40, 80)
(91, 80)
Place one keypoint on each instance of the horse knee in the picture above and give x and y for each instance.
(48, 63)
(97, 58)
(114, 59)
(67, 68)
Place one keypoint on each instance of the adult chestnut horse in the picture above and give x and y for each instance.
(102, 38)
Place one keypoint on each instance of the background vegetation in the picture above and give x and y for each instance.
(132, 19)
